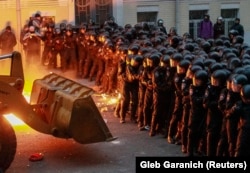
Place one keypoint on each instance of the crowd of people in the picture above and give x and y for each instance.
(209, 30)
(194, 92)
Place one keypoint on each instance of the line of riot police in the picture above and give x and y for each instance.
(195, 92)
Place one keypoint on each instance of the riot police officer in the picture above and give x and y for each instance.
(90, 37)
(197, 119)
(48, 44)
(238, 81)
(152, 63)
(81, 46)
(175, 123)
(214, 114)
(172, 130)
(242, 109)
(162, 28)
(120, 77)
(69, 51)
(57, 48)
(161, 92)
(185, 84)
(130, 89)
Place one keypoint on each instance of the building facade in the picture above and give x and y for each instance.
(185, 15)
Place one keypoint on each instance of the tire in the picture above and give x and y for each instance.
(7, 144)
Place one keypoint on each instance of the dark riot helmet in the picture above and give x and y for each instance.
(247, 72)
(62, 26)
(206, 46)
(153, 60)
(238, 39)
(165, 61)
(247, 51)
(136, 60)
(238, 81)
(186, 35)
(128, 26)
(215, 55)
(175, 59)
(200, 78)
(215, 66)
(211, 41)
(133, 49)
(218, 42)
(239, 70)
(192, 69)
(174, 41)
(160, 22)
(183, 66)
(208, 62)
(233, 32)
(143, 51)
(188, 56)
(189, 47)
(218, 78)
(227, 43)
(245, 93)
(198, 61)
(147, 43)
(233, 63)
(170, 51)
(245, 56)
(230, 55)
(229, 81)
(163, 50)
(226, 50)
(245, 62)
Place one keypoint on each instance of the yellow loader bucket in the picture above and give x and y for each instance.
(69, 109)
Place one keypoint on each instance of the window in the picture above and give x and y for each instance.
(97, 10)
(147, 14)
(229, 16)
(146, 17)
(195, 17)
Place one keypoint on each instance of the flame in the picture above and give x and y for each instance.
(110, 100)
(13, 120)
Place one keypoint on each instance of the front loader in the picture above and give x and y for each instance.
(58, 106)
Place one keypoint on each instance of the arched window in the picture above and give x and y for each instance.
(96, 10)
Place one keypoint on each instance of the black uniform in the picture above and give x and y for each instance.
(69, 51)
(81, 46)
(232, 123)
(186, 82)
(214, 118)
(197, 120)
(222, 148)
(243, 141)
(33, 42)
(148, 97)
(120, 78)
(174, 130)
(57, 49)
(161, 102)
(130, 93)
(142, 90)
(48, 45)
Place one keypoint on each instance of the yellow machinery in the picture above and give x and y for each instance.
(58, 106)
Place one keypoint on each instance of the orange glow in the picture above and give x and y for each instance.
(110, 100)
(13, 120)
